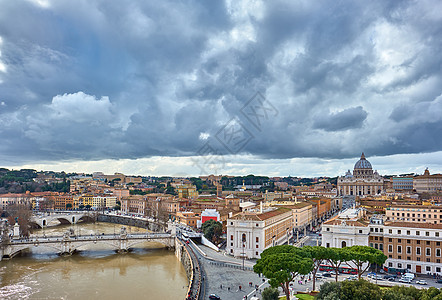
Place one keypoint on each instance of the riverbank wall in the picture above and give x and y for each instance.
(123, 220)
(184, 257)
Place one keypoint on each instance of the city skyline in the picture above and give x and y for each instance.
(388, 165)
(234, 87)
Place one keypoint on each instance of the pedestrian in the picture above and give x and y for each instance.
(228, 288)
(239, 287)
(221, 286)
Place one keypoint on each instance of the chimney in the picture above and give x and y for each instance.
(260, 207)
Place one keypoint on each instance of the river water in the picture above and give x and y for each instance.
(149, 272)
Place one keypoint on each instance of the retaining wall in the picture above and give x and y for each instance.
(156, 227)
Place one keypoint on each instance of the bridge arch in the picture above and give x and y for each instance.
(63, 220)
(85, 218)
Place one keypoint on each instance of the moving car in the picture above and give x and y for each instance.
(423, 282)
(405, 280)
(439, 281)
(352, 277)
(214, 297)
(326, 274)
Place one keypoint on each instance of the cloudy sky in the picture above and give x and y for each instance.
(295, 88)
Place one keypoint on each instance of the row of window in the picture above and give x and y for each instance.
(390, 240)
(427, 268)
(418, 250)
(413, 215)
(417, 209)
(412, 220)
(417, 232)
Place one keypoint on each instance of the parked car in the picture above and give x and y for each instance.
(214, 297)
(371, 274)
(392, 279)
(439, 281)
(377, 277)
(423, 282)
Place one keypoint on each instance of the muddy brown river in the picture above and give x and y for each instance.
(149, 272)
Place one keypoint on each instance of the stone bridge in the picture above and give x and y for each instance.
(62, 217)
(68, 243)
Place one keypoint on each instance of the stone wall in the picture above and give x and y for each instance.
(156, 227)
(185, 259)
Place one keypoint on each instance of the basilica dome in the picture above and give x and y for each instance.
(363, 163)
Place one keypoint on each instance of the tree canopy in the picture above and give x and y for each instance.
(361, 255)
(318, 254)
(280, 264)
(362, 289)
(212, 230)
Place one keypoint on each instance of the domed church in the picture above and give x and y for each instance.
(362, 182)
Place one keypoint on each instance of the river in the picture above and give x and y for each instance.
(149, 272)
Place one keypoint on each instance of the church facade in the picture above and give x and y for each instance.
(362, 182)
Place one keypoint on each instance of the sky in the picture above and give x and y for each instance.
(187, 88)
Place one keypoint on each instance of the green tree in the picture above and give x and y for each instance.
(318, 254)
(431, 294)
(212, 230)
(360, 255)
(329, 291)
(361, 290)
(336, 258)
(270, 293)
(349, 290)
(402, 293)
(280, 264)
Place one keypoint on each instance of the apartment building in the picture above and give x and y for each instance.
(250, 233)
(62, 201)
(415, 247)
(412, 246)
(188, 218)
(135, 204)
(7, 199)
(404, 183)
(428, 183)
(414, 213)
(187, 191)
(303, 214)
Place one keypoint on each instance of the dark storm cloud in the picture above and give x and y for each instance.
(130, 79)
(347, 119)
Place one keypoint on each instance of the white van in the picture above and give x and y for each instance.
(408, 276)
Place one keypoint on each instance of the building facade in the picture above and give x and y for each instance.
(412, 247)
(414, 213)
(428, 183)
(403, 183)
(346, 230)
(250, 233)
(362, 182)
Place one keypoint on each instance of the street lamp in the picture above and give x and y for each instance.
(243, 249)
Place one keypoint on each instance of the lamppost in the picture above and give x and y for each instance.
(243, 249)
